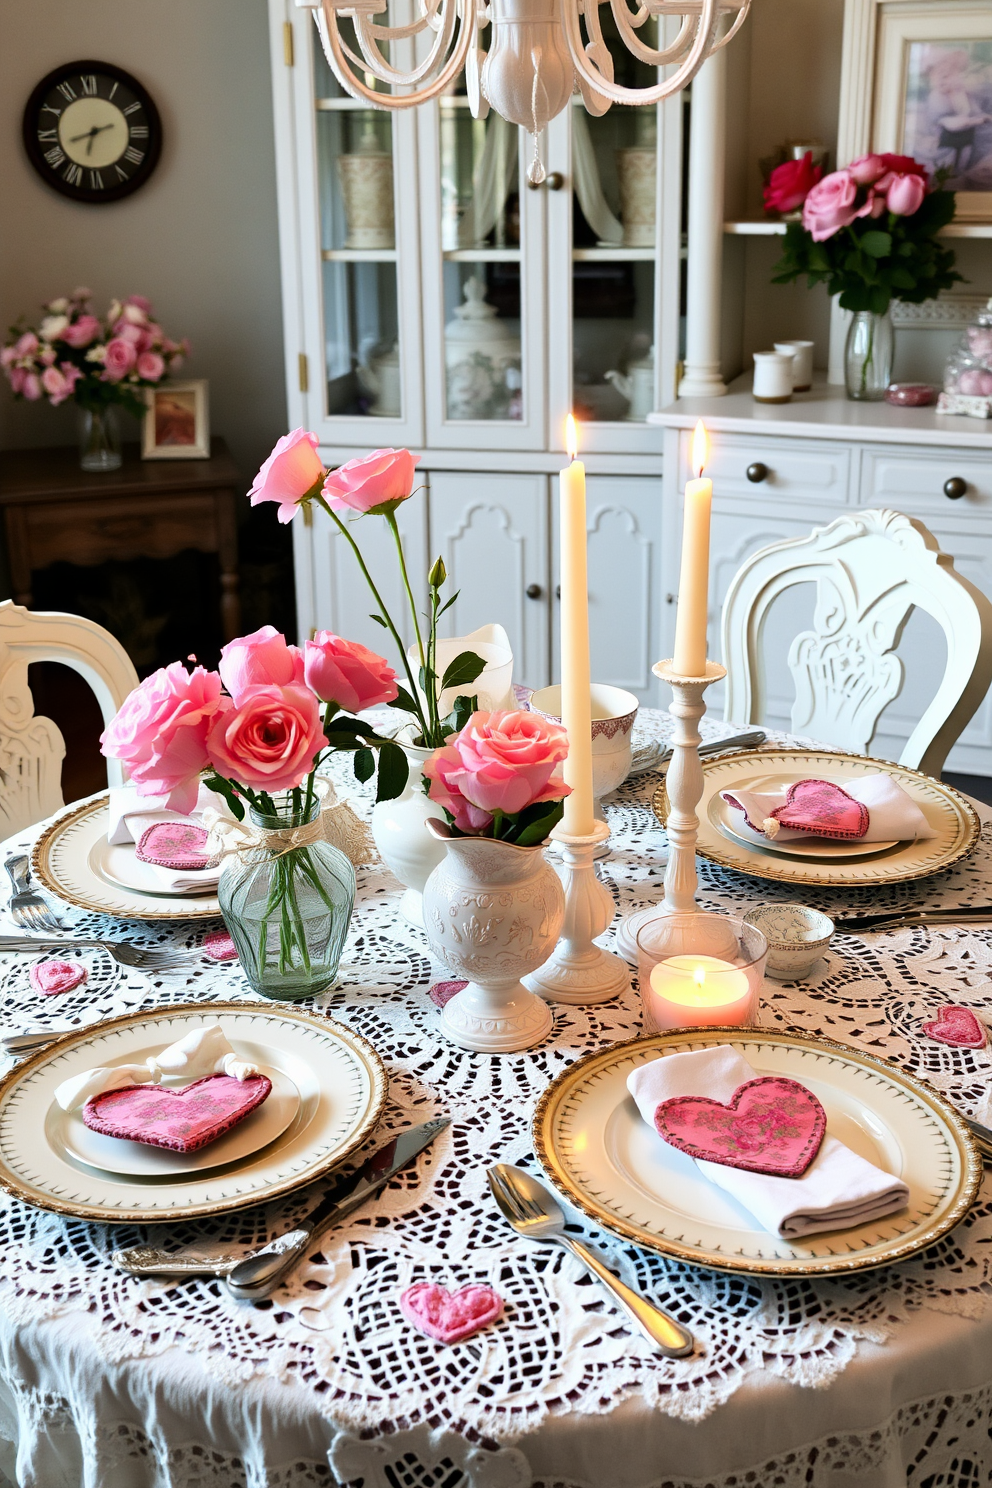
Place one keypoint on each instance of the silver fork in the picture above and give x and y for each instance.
(121, 950)
(27, 909)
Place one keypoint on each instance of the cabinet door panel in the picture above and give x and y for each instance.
(492, 532)
(623, 519)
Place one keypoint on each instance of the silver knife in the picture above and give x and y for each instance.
(965, 914)
(750, 740)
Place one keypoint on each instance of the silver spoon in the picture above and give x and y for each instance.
(534, 1213)
(146, 1260)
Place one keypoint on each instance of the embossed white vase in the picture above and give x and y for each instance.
(492, 913)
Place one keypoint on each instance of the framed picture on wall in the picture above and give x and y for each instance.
(177, 424)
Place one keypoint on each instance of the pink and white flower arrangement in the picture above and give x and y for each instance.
(497, 777)
(74, 354)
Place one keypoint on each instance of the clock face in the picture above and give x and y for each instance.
(92, 131)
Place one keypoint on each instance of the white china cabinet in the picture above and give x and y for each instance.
(433, 300)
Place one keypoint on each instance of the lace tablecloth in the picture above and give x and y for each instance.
(110, 1381)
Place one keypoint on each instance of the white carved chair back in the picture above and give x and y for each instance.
(870, 569)
(31, 747)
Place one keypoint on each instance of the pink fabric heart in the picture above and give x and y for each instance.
(173, 844)
(219, 946)
(450, 1316)
(958, 1026)
(443, 992)
(182, 1120)
(820, 807)
(771, 1125)
(50, 977)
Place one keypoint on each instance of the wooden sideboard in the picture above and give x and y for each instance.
(54, 512)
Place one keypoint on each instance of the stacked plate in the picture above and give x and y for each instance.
(819, 861)
(328, 1092)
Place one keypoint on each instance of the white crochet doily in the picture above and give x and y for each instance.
(335, 1331)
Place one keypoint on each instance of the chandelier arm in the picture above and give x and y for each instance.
(654, 58)
(383, 70)
(734, 28)
(639, 97)
(337, 51)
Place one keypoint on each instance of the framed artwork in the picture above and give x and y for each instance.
(177, 424)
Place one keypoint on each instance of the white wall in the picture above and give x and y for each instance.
(200, 239)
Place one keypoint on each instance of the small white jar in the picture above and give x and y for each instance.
(772, 377)
(802, 363)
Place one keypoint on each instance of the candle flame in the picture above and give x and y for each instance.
(699, 976)
(571, 438)
(700, 448)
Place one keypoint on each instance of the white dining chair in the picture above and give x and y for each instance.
(31, 747)
(870, 569)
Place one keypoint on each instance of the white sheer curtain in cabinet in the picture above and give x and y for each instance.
(482, 237)
(351, 258)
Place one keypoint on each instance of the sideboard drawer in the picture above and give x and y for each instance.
(789, 468)
(915, 482)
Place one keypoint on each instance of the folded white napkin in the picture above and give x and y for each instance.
(131, 814)
(838, 1190)
(203, 1051)
(892, 814)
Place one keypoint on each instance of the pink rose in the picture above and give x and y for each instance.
(139, 302)
(120, 359)
(57, 385)
(31, 387)
(160, 732)
(27, 344)
(262, 659)
(372, 483)
(905, 195)
(48, 357)
(292, 469)
(830, 205)
(8, 356)
(867, 169)
(499, 762)
(347, 673)
(150, 366)
(17, 376)
(132, 334)
(135, 310)
(268, 739)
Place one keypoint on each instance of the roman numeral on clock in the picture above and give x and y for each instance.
(134, 156)
(89, 84)
(68, 91)
(73, 173)
(54, 157)
(139, 131)
(132, 108)
(96, 180)
(46, 136)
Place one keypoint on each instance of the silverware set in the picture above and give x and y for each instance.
(895, 919)
(27, 909)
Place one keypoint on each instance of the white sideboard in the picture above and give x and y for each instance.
(780, 470)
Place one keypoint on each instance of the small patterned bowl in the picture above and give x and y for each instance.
(797, 938)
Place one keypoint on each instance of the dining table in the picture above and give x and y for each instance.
(874, 1378)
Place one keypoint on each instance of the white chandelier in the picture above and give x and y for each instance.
(536, 55)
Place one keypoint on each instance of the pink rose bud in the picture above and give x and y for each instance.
(905, 195)
(347, 673)
(150, 366)
(160, 732)
(31, 387)
(830, 206)
(501, 761)
(867, 169)
(27, 344)
(17, 376)
(261, 659)
(269, 739)
(56, 385)
(292, 470)
(372, 483)
(139, 302)
(120, 359)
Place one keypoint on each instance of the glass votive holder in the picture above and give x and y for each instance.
(699, 971)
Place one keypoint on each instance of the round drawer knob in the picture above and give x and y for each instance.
(955, 488)
(533, 591)
(757, 472)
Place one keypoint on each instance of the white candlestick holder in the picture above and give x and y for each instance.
(684, 787)
(579, 971)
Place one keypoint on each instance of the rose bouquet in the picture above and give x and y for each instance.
(375, 485)
(497, 777)
(256, 731)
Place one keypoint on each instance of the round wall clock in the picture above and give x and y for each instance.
(92, 131)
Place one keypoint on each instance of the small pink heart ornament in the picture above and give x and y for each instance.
(54, 976)
(450, 1316)
(823, 809)
(770, 1125)
(957, 1026)
(181, 1120)
(219, 946)
(442, 992)
(177, 844)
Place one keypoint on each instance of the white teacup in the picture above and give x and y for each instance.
(613, 713)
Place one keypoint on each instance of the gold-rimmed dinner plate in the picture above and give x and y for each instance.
(74, 861)
(953, 819)
(340, 1090)
(726, 820)
(605, 1159)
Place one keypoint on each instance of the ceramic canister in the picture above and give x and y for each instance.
(772, 377)
(801, 353)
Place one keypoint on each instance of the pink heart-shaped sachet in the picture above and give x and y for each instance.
(219, 946)
(54, 976)
(181, 1120)
(442, 992)
(823, 809)
(450, 1316)
(771, 1125)
(958, 1026)
(174, 844)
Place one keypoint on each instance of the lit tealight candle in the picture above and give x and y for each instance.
(697, 991)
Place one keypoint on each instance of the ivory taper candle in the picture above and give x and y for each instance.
(694, 576)
(576, 704)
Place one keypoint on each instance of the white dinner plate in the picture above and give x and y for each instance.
(73, 860)
(953, 819)
(67, 1133)
(341, 1090)
(118, 863)
(606, 1160)
(726, 820)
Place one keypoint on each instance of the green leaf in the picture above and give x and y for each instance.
(447, 604)
(393, 771)
(536, 831)
(364, 765)
(379, 621)
(465, 668)
(460, 714)
(877, 243)
(403, 701)
(226, 789)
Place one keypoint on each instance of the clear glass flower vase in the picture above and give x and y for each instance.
(287, 901)
(868, 356)
(99, 439)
